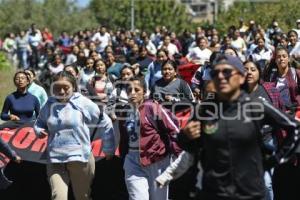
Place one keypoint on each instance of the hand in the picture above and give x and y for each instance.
(14, 117)
(197, 91)
(102, 96)
(159, 184)
(18, 159)
(43, 134)
(192, 130)
(113, 117)
(168, 98)
(135, 66)
(155, 101)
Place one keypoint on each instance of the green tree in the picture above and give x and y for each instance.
(285, 12)
(148, 14)
(64, 15)
(57, 15)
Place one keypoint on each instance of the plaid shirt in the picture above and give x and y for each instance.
(274, 95)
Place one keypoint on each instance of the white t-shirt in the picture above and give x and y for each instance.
(239, 44)
(264, 54)
(56, 69)
(103, 39)
(172, 49)
(296, 50)
(196, 54)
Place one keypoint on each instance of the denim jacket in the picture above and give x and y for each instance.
(69, 127)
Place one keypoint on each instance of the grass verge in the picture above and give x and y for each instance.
(6, 75)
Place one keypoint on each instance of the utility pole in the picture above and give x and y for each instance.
(214, 6)
(132, 15)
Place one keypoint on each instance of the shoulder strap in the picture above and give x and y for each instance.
(118, 93)
(96, 128)
(294, 73)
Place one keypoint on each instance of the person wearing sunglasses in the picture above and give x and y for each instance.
(226, 132)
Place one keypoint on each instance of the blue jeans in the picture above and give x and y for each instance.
(268, 184)
(23, 58)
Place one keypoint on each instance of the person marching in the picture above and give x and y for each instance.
(227, 132)
(149, 147)
(67, 119)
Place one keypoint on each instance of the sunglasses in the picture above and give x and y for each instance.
(227, 73)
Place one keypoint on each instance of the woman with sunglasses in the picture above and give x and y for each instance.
(227, 132)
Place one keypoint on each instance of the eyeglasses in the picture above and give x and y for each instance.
(227, 73)
(20, 78)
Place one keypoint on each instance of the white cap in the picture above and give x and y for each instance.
(298, 21)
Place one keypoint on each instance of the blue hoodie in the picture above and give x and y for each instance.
(69, 127)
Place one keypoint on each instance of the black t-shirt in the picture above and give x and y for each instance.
(261, 93)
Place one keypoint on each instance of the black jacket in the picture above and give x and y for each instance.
(231, 146)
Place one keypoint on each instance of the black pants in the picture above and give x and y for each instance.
(286, 182)
(207, 196)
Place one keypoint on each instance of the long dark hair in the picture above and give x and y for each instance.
(258, 67)
(271, 69)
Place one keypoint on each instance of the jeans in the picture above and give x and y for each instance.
(268, 183)
(23, 58)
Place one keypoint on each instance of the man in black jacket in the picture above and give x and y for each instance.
(227, 131)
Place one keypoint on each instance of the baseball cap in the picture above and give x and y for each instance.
(298, 21)
(232, 61)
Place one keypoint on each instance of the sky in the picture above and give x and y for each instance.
(83, 3)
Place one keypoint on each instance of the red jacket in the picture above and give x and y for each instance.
(158, 133)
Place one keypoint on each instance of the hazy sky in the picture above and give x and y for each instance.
(83, 3)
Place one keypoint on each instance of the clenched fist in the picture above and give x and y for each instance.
(192, 130)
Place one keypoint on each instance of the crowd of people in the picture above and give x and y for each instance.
(242, 131)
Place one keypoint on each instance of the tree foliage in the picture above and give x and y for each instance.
(60, 15)
(148, 14)
(57, 15)
(285, 12)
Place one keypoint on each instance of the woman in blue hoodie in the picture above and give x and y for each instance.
(67, 119)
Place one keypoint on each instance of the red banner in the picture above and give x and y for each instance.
(31, 148)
